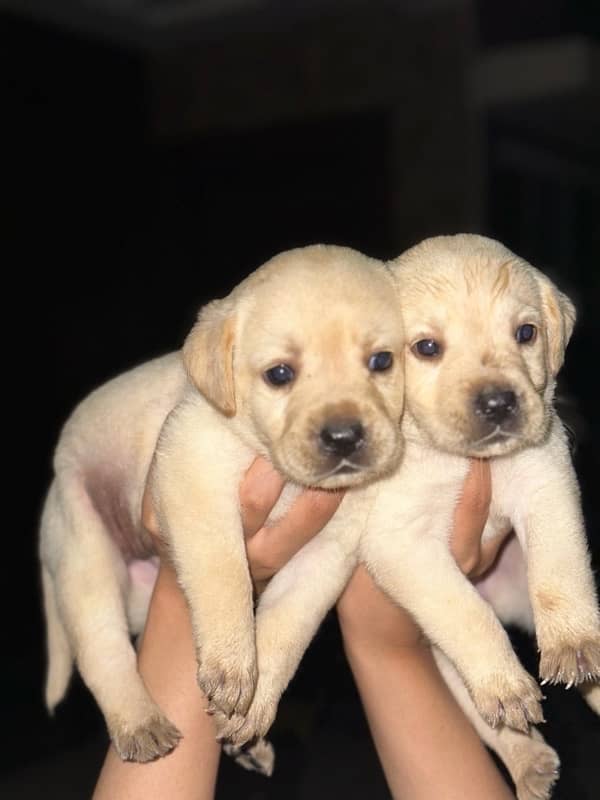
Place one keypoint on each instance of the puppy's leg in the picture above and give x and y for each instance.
(418, 572)
(88, 579)
(533, 765)
(288, 616)
(505, 589)
(195, 477)
(562, 589)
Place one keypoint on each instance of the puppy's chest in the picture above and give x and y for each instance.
(430, 484)
(509, 487)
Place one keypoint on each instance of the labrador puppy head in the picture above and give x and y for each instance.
(305, 356)
(486, 334)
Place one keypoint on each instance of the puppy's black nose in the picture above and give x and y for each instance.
(342, 437)
(496, 405)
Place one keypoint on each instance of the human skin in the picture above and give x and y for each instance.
(426, 746)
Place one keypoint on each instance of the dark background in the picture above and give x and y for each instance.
(159, 151)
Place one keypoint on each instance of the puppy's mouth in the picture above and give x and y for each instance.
(497, 436)
(344, 467)
(497, 419)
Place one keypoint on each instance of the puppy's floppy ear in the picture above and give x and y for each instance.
(559, 318)
(208, 355)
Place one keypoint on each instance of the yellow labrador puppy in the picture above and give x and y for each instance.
(301, 363)
(486, 335)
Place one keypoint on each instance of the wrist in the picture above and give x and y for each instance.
(395, 636)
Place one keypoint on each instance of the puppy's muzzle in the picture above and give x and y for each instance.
(497, 407)
(342, 437)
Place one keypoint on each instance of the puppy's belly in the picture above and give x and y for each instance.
(143, 573)
(108, 492)
(142, 577)
(505, 587)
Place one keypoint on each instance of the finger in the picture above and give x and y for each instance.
(273, 546)
(477, 489)
(259, 492)
(471, 515)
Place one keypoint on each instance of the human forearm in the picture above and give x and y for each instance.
(426, 746)
(167, 664)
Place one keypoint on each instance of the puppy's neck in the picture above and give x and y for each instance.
(413, 434)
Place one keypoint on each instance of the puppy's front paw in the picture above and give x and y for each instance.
(513, 702)
(571, 663)
(145, 741)
(257, 756)
(228, 682)
(238, 730)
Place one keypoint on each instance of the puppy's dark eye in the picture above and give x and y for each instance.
(380, 362)
(428, 348)
(525, 334)
(279, 375)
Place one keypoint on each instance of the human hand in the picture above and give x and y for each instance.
(409, 707)
(369, 619)
(268, 547)
(473, 556)
(373, 628)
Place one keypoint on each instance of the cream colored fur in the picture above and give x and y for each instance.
(471, 294)
(323, 310)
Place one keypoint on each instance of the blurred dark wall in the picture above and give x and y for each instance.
(134, 197)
